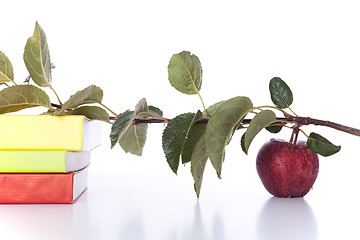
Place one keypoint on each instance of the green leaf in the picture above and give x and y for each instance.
(280, 92)
(274, 129)
(221, 127)
(119, 126)
(141, 106)
(174, 137)
(6, 69)
(91, 94)
(185, 73)
(212, 109)
(18, 97)
(152, 114)
(197, 153)
(37, 58)
(91, 112)
(131, 137)
(319, 144)
(260, 121)
(155, 110)
(194, 135)
(134, 137)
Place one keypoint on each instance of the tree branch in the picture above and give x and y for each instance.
(56, 105)
(317, 122)
(301, 121)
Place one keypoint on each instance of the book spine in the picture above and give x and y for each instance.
(32, 161)
(42, 161)
(36, 188)
(41, 132)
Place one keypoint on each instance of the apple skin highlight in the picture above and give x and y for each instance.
(285, 170)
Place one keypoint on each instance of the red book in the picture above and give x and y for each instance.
(42, 187)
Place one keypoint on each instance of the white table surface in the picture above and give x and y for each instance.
(138, 206)
(133, 198)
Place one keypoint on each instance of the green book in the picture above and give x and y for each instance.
(39, 161)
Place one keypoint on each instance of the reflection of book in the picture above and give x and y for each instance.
(47, 132)
(32, 161)
(42, 187)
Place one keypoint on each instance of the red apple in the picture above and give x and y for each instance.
(285, 170)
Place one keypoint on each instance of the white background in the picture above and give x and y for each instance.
(124, 47)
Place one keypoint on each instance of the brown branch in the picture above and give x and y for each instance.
(245, 121)
(301, 121)
(56, 105)
(317, 122)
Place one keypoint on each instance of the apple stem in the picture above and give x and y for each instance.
(295, 134)
(296, 129)
(292, 137)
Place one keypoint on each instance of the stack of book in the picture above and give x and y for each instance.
(45, 159)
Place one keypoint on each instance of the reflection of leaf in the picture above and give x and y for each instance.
(319, 144)
(280, 92)
(174, 137)
(260, 121)
(91, 94)
(6, 69)
(185, 73)
(19, 97)
(222, 125)
(37, 58)
(91, 112)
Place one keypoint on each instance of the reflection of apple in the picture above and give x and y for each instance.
(285, 170)
(283, 218)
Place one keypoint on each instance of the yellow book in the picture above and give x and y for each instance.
(46, 132)
(42, 161)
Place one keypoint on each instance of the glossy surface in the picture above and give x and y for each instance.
(133, 206)
(135, 210)
(287, 170)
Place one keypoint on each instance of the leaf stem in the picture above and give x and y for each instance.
(9, 80)
(273, 107)
(307, 136)
(112, 112)
(57, 96)
(203, 104)
(8, 85)
(292, 111)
